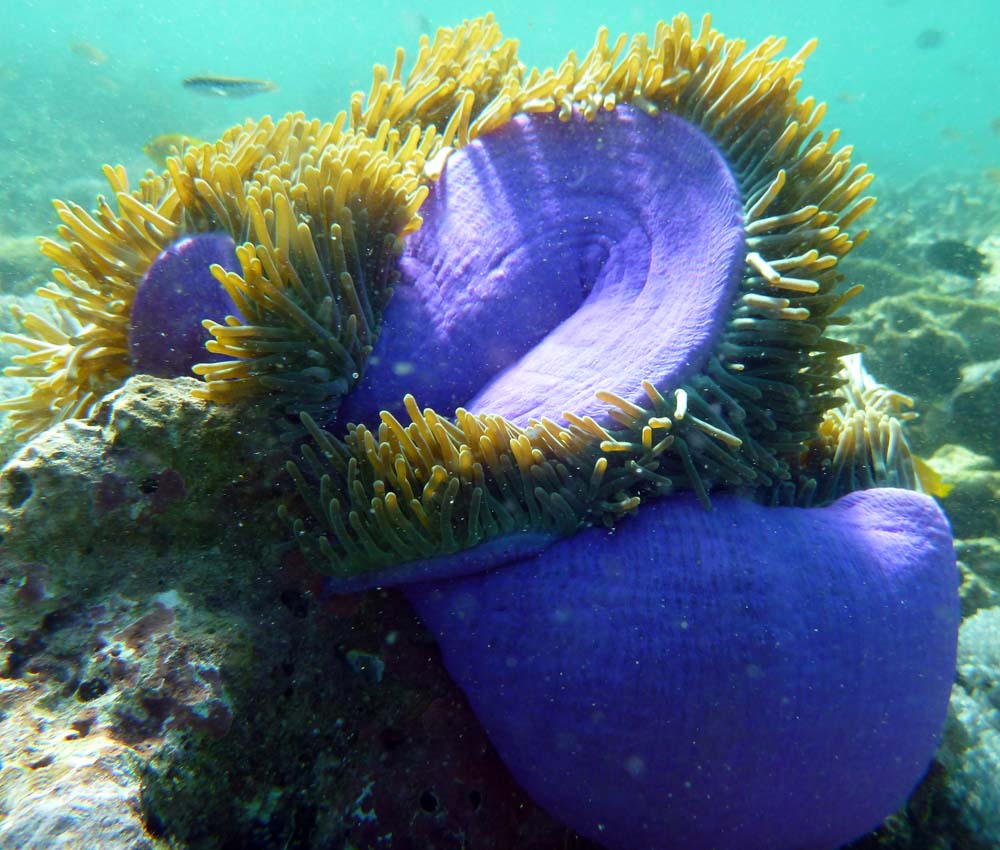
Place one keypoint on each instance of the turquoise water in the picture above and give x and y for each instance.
(905, 107)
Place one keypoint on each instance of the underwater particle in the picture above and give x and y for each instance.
(635, 766)
(957, 257)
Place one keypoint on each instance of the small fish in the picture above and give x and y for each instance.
(86, 51)
(995, 126)
(930, 479)
(109, 85)
(930, 38)
(168, 144)
(228, 86)
(415, 23)
(849, 98)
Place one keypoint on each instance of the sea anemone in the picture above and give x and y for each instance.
(660, 526)
(685, 181)
(624, 293)
(317, 210)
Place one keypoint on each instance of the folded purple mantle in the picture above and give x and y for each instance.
(744, 678)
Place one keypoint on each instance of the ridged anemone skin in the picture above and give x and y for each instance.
(666, 529)
(668, 684)
(602, 253)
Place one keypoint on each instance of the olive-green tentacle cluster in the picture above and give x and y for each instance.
(861, 443)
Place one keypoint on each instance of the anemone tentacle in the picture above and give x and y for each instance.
(764, 397)
(861, 443)
(319, 212)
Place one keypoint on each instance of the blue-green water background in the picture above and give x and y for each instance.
(906, 108)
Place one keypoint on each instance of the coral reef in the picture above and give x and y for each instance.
(934, 335)
(941, 350)
(974, 740)
(945, 205)
(87, 690)
(22, 267)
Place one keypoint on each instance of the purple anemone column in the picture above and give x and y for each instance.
(745, 678)
(166, 337)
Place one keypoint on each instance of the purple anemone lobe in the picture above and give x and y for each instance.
(166, 337)
(558, 258)
(745, 677)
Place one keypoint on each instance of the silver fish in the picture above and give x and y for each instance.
(228, 86)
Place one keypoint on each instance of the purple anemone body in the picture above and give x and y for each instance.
(166, 337)
(744, 677)
(557, 258)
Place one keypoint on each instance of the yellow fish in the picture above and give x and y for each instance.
(88, 52)
(168, 144)
(930, 479)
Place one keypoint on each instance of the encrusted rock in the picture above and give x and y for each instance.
(156, 615)
(151, 465)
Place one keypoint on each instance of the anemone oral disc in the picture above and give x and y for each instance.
(548, 251)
